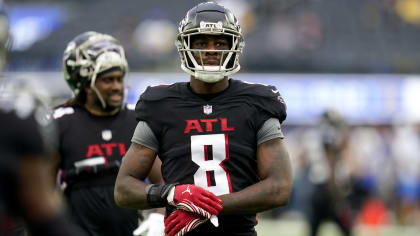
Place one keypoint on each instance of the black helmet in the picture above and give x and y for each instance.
(212, 19)
(89, 54)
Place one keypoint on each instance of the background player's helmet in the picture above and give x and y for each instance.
(333, 129)
(89, 54)
(213, 19)
(4, 35)
(27, 98)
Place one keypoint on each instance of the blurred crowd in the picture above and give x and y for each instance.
(358, 36)
(355, 175)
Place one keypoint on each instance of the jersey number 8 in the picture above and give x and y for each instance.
(209, 152)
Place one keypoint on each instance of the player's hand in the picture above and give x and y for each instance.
(195, 199)
(180, 222)
(153, 225)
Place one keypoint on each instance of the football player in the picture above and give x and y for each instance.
(219, 139)
(95, 128)
(330, 195)
(27, 184)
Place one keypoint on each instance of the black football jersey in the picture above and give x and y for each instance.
(20, 137)
(211, 143)
(87, 142)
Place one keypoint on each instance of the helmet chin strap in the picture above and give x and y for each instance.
(93, 87)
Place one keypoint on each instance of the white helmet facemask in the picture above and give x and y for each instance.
(105, 61)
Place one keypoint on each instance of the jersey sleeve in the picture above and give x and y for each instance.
(144, 135)
(271, 129)
(266, 100)
(146, 107)
(145, 112)
(273, 104)
(268, 104)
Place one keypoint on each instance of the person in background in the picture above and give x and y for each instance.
(95, 127)
(29, 199)
(28, 194)
(331, 184)
(219, 139)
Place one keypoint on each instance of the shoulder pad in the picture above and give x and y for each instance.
(62, 111)
(255, 89)
(266, 97)
(159, 92)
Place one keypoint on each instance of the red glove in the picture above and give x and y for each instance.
(195, 199)
(181, 222)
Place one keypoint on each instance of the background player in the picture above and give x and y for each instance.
(95, 128)
(27, 183)
(330, 196)
(222, 136)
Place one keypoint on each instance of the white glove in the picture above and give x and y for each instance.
(154, 225)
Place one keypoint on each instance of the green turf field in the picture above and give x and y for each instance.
(268, 227)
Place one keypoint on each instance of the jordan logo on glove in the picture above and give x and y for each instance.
(198, 201)
(187, 190)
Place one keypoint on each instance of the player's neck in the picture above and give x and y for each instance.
(201, 87)
(98, 111)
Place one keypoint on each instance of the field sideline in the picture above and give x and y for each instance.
(288, 227)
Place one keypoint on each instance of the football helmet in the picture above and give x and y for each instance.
(333, 129)
(89, 54)
(211, 19)
(26, 98)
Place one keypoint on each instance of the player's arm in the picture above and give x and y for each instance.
(37, 190)
(130, 185)
(42, 205)
(43, 208)
(275, 187)
(132, 192)
(155, 175)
